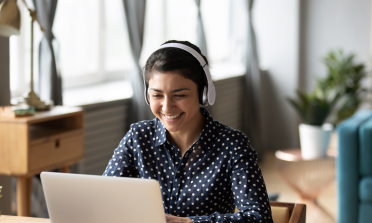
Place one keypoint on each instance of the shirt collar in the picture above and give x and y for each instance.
(206, 138)
(160, 133)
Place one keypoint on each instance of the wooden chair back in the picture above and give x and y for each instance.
(296, 211)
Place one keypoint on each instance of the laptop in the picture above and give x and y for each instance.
(96, 199)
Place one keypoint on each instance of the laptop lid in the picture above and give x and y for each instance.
(96, 199)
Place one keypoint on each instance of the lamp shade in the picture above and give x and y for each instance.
(10, 18)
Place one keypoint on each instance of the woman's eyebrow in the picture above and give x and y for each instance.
(181, 89)
(174, 91)
(154, 89)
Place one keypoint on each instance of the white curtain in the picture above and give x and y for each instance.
(201, 42)
(135, 16)
(244, 49)
(252, 112)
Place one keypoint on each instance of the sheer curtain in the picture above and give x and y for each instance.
(135, 16)
(244, 48)
(252, 124)
(50, 82)
(201, 42)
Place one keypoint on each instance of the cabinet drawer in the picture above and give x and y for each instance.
(51, 154)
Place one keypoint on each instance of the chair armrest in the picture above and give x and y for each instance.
(347, 166)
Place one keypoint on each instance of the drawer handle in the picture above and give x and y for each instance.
(57, 143)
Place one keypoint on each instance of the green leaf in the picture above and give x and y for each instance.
(336, 96)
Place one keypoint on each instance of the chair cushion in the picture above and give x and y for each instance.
(365, 148)
(365, 213)
(365, 189)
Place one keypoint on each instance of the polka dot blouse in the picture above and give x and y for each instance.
(218, 172)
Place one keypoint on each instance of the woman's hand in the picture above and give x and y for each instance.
(174, 219)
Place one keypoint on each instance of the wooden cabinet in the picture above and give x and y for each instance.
(46, 141)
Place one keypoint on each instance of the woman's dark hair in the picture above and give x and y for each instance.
(174, 59)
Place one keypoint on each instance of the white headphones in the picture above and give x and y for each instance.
(209, 91)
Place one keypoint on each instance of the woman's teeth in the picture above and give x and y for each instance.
(173, 116)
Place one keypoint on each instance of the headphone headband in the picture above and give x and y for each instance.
(211, 94)
(186, 48)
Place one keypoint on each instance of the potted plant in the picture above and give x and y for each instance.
(314, 108)
(345, 76)
(335, 98)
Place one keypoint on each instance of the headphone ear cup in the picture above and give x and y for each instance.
(146, 95)
(205, 97)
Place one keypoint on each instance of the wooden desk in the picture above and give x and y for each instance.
(17, 219)
(46, 141)
(296, 213)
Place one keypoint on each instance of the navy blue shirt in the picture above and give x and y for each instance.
(217, 173)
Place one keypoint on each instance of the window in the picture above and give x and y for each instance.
(177, 20)
(94, 46)
(216, 18)
(79, 37)
(95, 43)
(20, 56)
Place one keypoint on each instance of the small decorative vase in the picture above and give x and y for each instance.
(314, 140)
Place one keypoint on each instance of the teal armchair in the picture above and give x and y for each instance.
(354, 168)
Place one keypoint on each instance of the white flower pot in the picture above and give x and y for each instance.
(314, 140)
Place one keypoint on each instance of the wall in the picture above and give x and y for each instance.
(293, 37)
(105, 124)
(331, 24)
(277, 30)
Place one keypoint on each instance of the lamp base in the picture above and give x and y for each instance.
(33, 100)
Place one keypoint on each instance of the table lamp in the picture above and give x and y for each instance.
(10, 23)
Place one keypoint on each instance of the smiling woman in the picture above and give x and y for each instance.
(174, 101)
(205, 168)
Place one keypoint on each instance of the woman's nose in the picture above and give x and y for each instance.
(167, 104)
